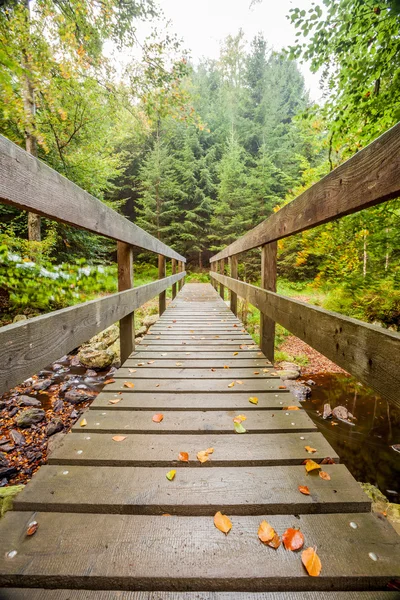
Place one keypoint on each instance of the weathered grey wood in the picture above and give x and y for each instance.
(164, 341)
(155, 552)
(28, 346)
(249, 386)
(233, 263)
(180, 270)
(171, 336)
(222, 271)
(192, 401)
(368, 352)
(162, 298)
(190, 347)
(125, 282)
(370, 177)
(184, 354)
(201, 422)
(28, 183)
(59, 594)
(268, 282)
(171, 371)
(195, 363)
(146, 490)
(173, 271)
(229, 450)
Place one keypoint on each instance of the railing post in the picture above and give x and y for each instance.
(161, 274)
(222, 271)
(125, 282)
(180, 270)
(233, 263)
(268, 282)
(212, 269)
(173, 273)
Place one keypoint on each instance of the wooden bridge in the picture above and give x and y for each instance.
(111, 525)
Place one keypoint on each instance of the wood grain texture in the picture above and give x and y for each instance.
(171, 371)
(183, 353)
(146, 490)
(370, 353)
(154, 552)
(370, 177)
(125, 282)
(214, 386)
(233, 265)
(162, 298)
(173, 271)
(28, 346)
(59, 594)
(29, 184)
(229, 450)
(164, 362)
(268, 282)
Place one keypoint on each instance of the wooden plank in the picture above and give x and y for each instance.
(164, 362)
(188, 347)
(268, 282)
(171, 335)
(368, 178)
(162, 298)
(185, 353)
(229, 450)
(146, 490)
(125, 282)
(193, 401)
(201, 422)
(155, 552)
(249, 386)
(28, 346)
(171, 371)
(29, 184)
(59, 594)
(152, 341)
(368, 352)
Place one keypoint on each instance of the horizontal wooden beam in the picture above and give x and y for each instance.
(369, 177)
(31, 345)
(370, 353)
(29, 184)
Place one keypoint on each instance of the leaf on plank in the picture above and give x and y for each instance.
(129, 384)
(239, 418)
(132, 370)
(230, 385)
(311, 562)
(114, 401)
(150, 362)
(304, 490)
(83, 423)
(282, 387)
(327, 461)
(290, 408)
(157, 418)
(203, 455)
(109, 381)
(170, 475)
(325, 475)
(183, 456)
(235, 353)
(311, 465)
(256, 372)
(222, 522)
(32, 528)
(293, 539)
(226, 367)
(253, 400)
(268, 535)
(239, 382)
(309, 449)
(119, 438)
(179, 364)
(239, 428)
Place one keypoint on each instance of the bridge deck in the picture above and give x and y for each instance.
(110, 520)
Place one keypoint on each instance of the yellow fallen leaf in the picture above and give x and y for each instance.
(119, 438)
(171, 474)
(230, 385)
(239, 428)
(83, 423)
(203, 455)
(226, 367)
(311, 465)
(266, 371)
(253, 399)
(239, 418)
(235, 353)
(222, 522)
(129, 384)
(179, 364)
(239, 382)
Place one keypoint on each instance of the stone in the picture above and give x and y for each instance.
(96, 358)
(54, 427)
(3, 459)
(75, 397)
(138, 340)
(17, 437)
(57, 367)
(310, 382)
(290, 366)
(6, 497)
(8, 472)
(141, 331)
(91, 373)
(7, 447)
(327, 411)
(30, 416)
(19, 318)
(75, 361)
(58, 405)
(341, 413)
(28, 401)
(42, 385)
(289, 374)
(13, 411)
(150, 320)
(299, 390)
(74, 414)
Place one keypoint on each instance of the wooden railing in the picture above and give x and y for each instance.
(370, 353)
(28, 346)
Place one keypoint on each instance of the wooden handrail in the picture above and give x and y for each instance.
(28, 346)
(368, 352)
(369, 177)
(29, 184)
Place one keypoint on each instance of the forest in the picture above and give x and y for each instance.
(198, 153)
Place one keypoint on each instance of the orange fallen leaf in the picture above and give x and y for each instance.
(183, 456)
(226, 367)
(325, 475)
(239, 382)
(304, 490)
(256, 373)
(109, 381)
(268, 535)
(132, 370)
(140, 364)
(83, 423)
(119, 438)
(157, 418)
(213, 370)
(266, 371)
(290, 408)
(239, 418)
(209, 450)
(115, 401)
(309, 449)
(203, 455)
(311, 561)
(222, 522)
(293, 539)
(282, 387)
(129, 384)
(170, 475)
(327, 461)
(230, 385)
(253, 399)
(32, 528)
(311, 465)
(150, 362)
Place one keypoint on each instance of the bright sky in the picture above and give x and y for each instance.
(204, 23)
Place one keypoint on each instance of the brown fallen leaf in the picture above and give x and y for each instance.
(253, 399)
(304, 490)
(309, 449)
(256, 373)
(109, 381)
(327, 461)
(140, 364)
(119, 438)
(213, 370)
(157, 418)
(129, 384)
(311, 465)
(268, 535)
(183, 456)
(83, 423)
(325, 475)
(115, 401)
(282, 387)
(132, 370)
(222, 522)
(311, 561)
(150, 362)
(293, 539)
(32, 528)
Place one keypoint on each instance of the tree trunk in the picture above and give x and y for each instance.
(200, 260)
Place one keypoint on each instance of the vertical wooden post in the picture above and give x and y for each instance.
(173, 273)
(222, 271)
(212, 269)
(125, 282)
(161, 275)
(268, 282)
(233, 263)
